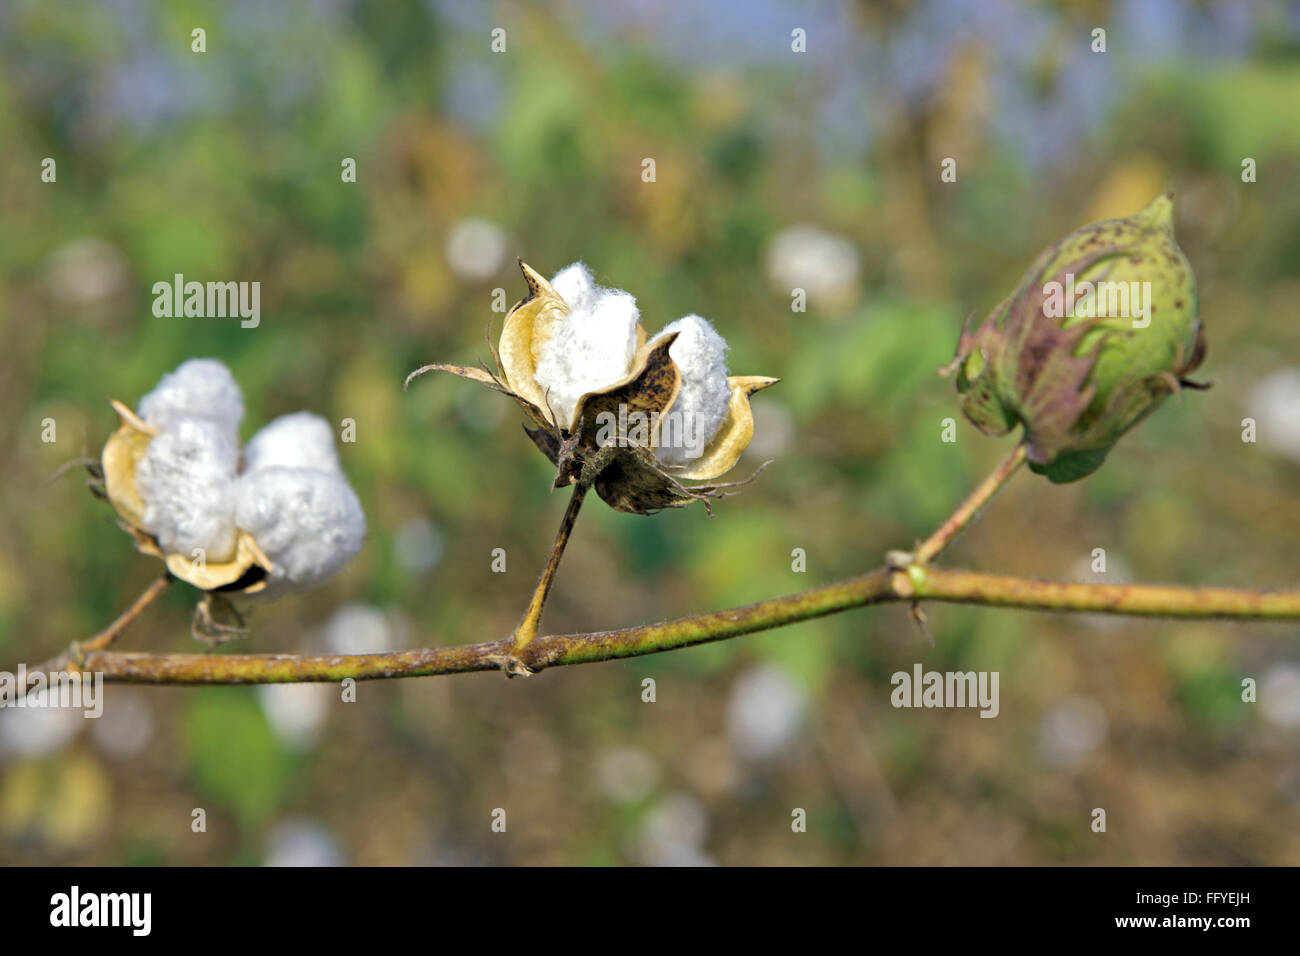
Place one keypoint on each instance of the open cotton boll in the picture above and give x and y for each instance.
(186, 480)
(575, 286)
(300, 440)
(307, 521)
(700, 354)
(592, 347)
(197, 388)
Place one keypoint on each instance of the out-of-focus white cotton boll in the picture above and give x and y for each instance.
(86, 272)
(1279, 695)
(40, 728)
(292, 500)
(673, 833)
(1072, 730)
(127, 724)
(476, 248)
(766, 712)
(300, 440)
(418, 545)
(825, 266)
(700, 354)
(358, 629)
(308, 522)
(202, 388)
(1275, 405)
(186, 480)
(296, 712)
(593, 346)
(626, 774)
(300, 842)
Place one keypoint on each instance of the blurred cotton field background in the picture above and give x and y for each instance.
(775, 170)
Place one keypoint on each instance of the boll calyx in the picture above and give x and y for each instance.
(1101, 329)
(286, 521)
(630, 415)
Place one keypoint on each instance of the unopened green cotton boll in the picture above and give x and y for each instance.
(1101, 329)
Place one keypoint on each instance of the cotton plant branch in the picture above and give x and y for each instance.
(1074, 379)
(881, 586)
(904, 578)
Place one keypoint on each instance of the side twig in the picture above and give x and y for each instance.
(931, 547)
(77, 653)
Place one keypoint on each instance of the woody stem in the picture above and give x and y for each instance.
(527, 628)
(966, 511)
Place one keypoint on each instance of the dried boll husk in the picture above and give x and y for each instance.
(624, 468)
(244, 574)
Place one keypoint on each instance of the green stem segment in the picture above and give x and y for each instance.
(525, 651)
(1139, 600)
(108, 635)
(884, 585)
(931, 547)
(527, 629)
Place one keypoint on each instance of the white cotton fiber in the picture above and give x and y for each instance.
(308, 521)
(575, 286)
(186, 480)
(593, 346)
(700, 354)
(300, 440)
(197, 388)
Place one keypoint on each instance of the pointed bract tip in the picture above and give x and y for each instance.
(1159, 214)
(536, 282)
(752, 383)
(127, 417)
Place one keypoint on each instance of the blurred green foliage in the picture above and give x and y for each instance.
(226, 165)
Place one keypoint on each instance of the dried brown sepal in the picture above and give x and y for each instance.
(649, 390)
(216, 621)
(547, 443)
(634, 482)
